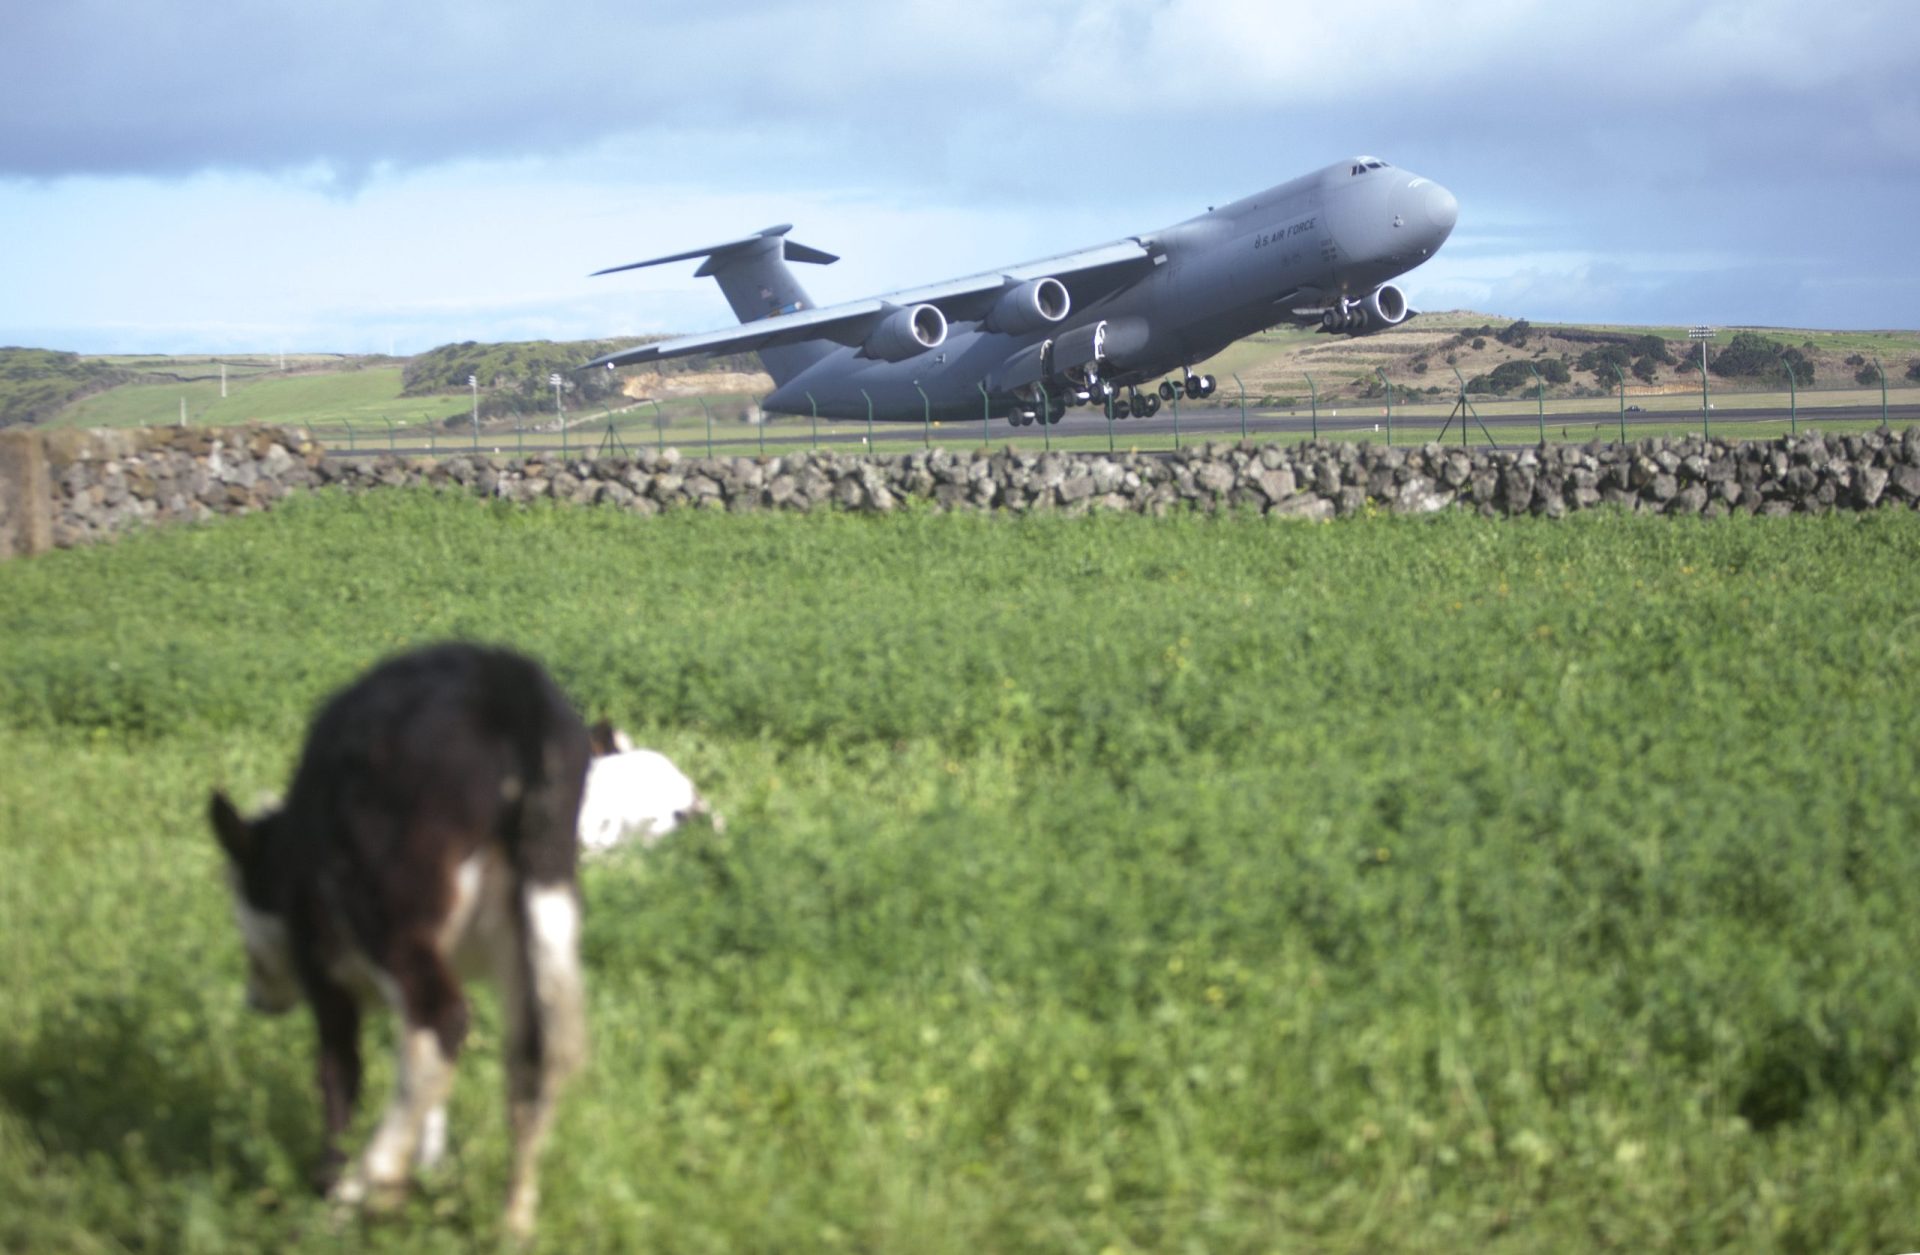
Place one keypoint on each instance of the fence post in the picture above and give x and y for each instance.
(863, 392)
(1623, 401)
(815, 407)
(986, 413)
(392, 446)
(709, 414)
(1793, 399)
(349, 426)
(926, 417)
(1540, 396)
(1175, 403)
(659, 427)
(1315, 394)
(1881, 371)
(1046, 420)
(1388, 384)
(1243, 408)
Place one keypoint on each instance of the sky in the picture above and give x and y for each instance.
(211, 176)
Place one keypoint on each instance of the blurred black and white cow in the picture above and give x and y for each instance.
(634, 794)
(428, 834)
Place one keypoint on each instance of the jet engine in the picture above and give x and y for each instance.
(906, 333)
(1385, 306)
(1030, 306)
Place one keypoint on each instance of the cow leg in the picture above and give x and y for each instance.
(337, 1017)
(433, 1140)
(433, 1022)
(546, 1018)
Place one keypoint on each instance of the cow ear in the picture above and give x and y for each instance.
(235, 833)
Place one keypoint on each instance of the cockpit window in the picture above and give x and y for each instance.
(1363, 164)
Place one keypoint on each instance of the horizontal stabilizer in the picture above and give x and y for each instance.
(714, 253)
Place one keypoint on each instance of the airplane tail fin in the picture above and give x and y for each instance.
(753, 274)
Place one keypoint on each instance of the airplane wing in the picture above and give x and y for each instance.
(850, 323)
(1089, 274)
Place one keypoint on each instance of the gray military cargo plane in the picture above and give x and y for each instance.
(1090, 327)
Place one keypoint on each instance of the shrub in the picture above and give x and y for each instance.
(1750, 355)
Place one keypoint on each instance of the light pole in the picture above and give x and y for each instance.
(1703, 334)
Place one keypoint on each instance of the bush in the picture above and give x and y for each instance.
(1515, 334)
(1750, 355)
(1867, 375)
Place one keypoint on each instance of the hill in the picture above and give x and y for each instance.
(35, 384)
(1281, 367)
(1572, 360)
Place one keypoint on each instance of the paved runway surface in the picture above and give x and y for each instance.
(1204, 422)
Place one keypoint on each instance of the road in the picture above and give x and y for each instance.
(1196, 422)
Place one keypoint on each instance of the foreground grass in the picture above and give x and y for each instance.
(1105, 883)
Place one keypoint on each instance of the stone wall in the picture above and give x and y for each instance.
(98, 484)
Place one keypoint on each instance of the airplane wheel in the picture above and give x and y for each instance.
(1166, 390)
(1149, 405)
(1207, 385)
(1120, 407)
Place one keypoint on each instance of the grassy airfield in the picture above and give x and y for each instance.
(356, 403)
(1108, 884)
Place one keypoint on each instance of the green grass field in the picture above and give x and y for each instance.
(360, 397)
(1101, 884)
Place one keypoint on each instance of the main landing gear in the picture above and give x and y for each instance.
(1136, 404)
(1197, 387)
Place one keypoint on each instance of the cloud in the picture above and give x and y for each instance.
(1737, 151)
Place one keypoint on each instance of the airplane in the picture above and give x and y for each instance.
(1095, 326)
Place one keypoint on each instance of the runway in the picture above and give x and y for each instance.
(1194, 424)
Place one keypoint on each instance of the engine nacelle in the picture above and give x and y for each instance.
(1030, 306)
(907, 333)
(1386, 306)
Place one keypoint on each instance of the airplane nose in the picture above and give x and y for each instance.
(1441, 208)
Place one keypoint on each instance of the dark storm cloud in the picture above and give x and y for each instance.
(129, 87)
(1732, 154)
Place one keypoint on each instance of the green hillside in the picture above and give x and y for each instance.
(36, 383)
(1429, 359)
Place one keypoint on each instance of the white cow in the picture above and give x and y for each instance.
(634, 794)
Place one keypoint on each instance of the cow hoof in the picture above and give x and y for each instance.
(354, 1192)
